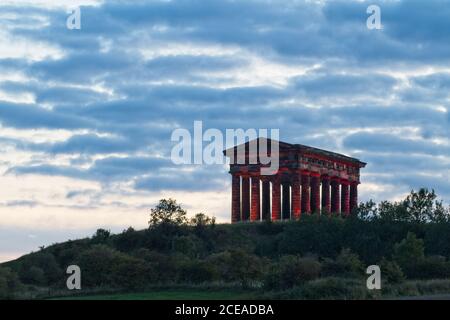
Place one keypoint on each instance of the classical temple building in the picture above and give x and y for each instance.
(307, 180)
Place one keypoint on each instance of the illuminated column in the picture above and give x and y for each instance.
(235, 198)
(266, 199)
(335, 195)
(276, 201)
(286, 201)
(296, 199)
(254, 213)
(306, 202)
(315, 193)
(353, 196)
(345, 197)
(326, 203)
(245, 198)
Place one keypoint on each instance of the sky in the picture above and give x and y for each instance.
(86, 115)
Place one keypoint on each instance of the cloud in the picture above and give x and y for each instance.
(32, 116)
(98, 105)
(394, 144)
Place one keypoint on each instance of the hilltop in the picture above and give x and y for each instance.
(316, 257)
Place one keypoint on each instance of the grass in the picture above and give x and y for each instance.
(170, 294)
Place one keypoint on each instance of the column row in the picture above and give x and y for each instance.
(276, 198)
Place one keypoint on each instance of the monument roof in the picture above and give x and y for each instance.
(283, 146)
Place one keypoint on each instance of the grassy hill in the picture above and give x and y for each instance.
(317, 257)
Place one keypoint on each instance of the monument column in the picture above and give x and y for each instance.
(315, 192)
(286, 201)
(265, 199)
(245, 198)
(276, 198)
(306, 202)
(254, 213)
(296, 199)
(326, 203)
(353, 196)
(235, 198)
(345, 197)
(335, 195)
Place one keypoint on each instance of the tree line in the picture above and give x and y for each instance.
(408, 239)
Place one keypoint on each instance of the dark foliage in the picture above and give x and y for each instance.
(408, 239)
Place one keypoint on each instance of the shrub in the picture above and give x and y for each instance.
(391, 271)
(238, 265)
(164, 267)
(197, 272)
(40, 268)
(334, 288)
(128, 240)
(9, 284)
(404, 289)
(433, 267)
(33, 275)
(292, 271)
(189, 245)
(347, 264)
(101, 236)
(441, 286)
(409, 251)
(104, 266)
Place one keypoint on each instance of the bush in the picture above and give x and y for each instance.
(334, 288)
(391, 271)
(9, 284)
(198, 272)
(189, 245)
(433, 267)
(40, 268)
(128, 240)
(292, 271)
(325, 288)
(238, 265)
(101, 236)
(434, 286)
(104, 266)
(409, 251)
(33, 275)
(347, 264)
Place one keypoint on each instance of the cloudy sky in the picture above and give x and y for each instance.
(86, 115)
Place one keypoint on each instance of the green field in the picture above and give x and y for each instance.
(172, 294)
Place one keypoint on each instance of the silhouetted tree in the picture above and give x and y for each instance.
(167, 212)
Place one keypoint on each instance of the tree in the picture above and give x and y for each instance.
(409, 251)
(420, 205)
(367, 210)
(202, 220)
(167, 212)
(423, 206)
(101, 236)
(128, 240)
